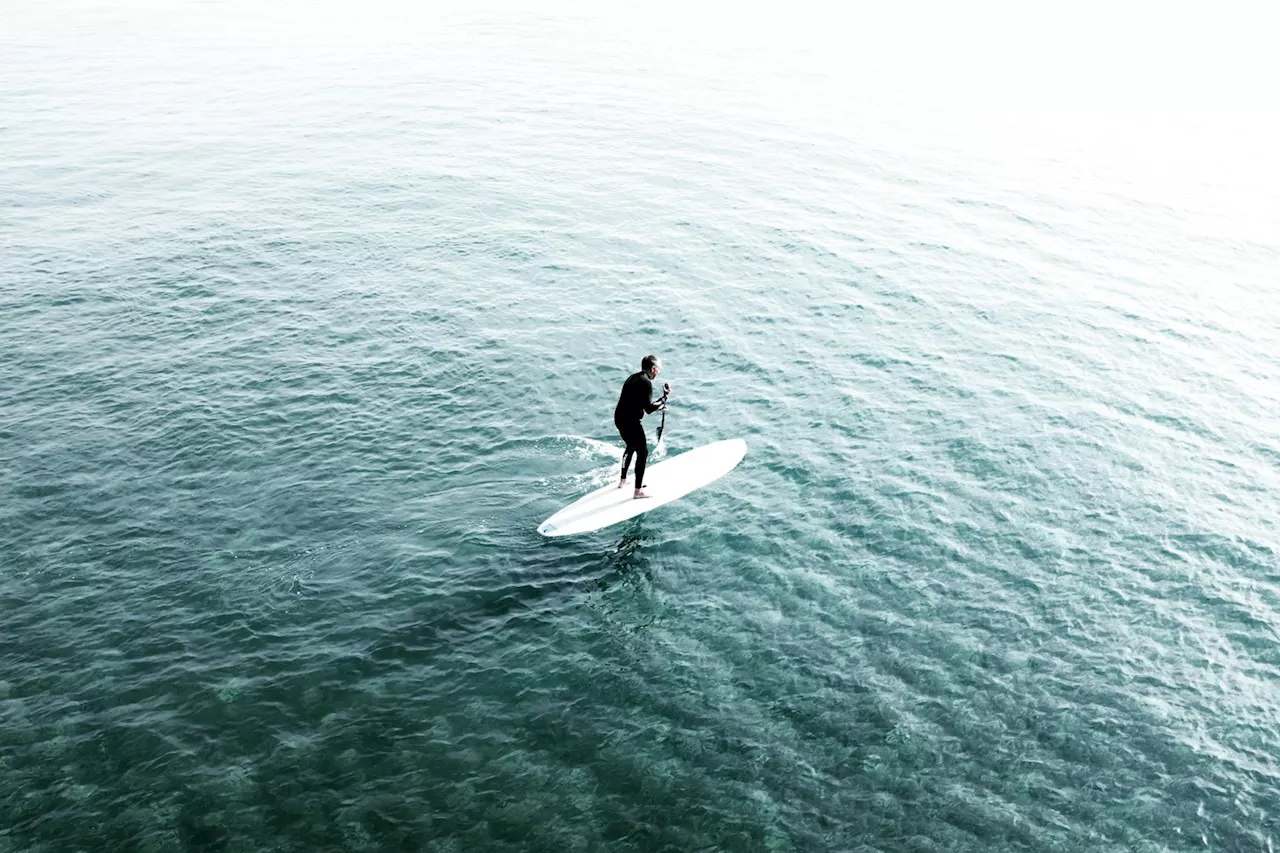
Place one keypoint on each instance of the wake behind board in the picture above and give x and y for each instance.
(664, 482)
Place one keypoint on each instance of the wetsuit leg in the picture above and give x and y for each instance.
(628, 451)
(637, 443)
(642, 456)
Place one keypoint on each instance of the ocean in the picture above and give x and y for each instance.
(310, 315)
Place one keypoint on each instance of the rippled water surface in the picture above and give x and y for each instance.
(306, 325)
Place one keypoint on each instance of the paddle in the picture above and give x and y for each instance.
(666, 390)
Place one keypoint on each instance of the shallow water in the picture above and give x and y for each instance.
(304, 332)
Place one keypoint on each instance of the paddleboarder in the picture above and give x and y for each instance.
(635, 401)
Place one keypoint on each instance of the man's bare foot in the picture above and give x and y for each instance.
(623, 483)
(640, 494)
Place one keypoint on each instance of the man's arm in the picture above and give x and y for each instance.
(652, 407)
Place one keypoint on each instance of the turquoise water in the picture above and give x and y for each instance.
(308, 324)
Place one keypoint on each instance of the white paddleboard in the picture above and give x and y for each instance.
(664, 482)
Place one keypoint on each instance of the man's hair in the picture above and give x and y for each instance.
(649, 361)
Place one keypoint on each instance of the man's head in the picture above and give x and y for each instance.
(651, 364)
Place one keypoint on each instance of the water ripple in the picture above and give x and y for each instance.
(305, 336)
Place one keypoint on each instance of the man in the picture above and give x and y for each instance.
(634, 403)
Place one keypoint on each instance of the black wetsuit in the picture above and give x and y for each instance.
(634, 402)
